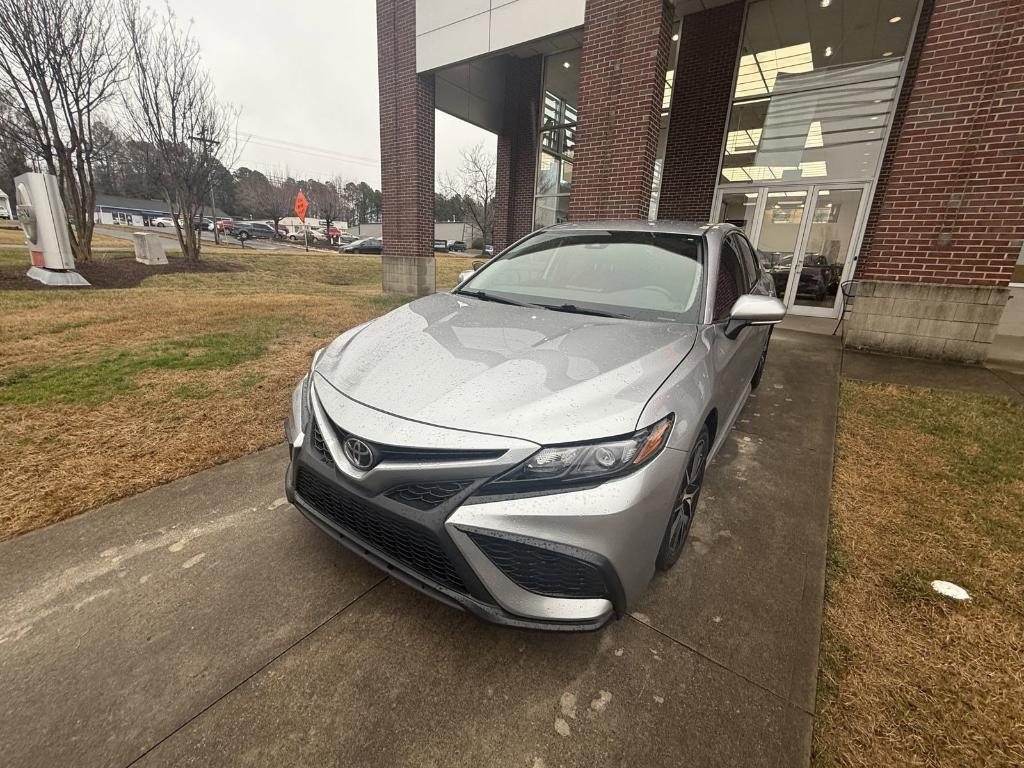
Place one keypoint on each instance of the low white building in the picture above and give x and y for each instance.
(293, 224)
(5, 206)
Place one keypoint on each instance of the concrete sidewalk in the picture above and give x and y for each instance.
(934, 374)
(206, 623)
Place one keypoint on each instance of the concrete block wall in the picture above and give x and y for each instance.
(950, 322)
(412, 275)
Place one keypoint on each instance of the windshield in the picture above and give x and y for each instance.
(640, 275)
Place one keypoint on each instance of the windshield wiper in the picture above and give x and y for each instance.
(484, 296)
(579, 310)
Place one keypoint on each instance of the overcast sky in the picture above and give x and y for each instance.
(305, 73)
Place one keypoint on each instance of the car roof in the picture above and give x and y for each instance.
(667, 226)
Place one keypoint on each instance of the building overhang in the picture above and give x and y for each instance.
(474, 90)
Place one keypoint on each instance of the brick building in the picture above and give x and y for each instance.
(880, 141)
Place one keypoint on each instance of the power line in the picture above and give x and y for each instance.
(307, 149)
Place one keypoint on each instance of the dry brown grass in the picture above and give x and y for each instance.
(928, 485)
(157, 423)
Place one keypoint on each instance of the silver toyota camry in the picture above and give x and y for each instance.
(531, 446)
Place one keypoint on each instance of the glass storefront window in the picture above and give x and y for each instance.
(738, 209)
(815, 91)
(666, 113)
(557, 138)
(550, 210)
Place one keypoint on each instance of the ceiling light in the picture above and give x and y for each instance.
(675, 37)
(895, 19)
(824, 3)
(566, 64)
(887, 53)
(828, 50)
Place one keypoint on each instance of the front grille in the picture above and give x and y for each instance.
(427, 495)
(540, 570)
(319, 444)
(406, 544)
(403, 453)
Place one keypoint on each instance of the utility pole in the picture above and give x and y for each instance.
(213, 202)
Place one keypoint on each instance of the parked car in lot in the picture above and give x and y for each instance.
(205, 224)
(314, 236)
(246, 230)
(224, 225)
(456, 246)
(488, 250)
(162, 221)
(441, 246)
(451, 443)
(366, 245)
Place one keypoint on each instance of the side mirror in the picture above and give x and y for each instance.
(754, 310)
(465, 275)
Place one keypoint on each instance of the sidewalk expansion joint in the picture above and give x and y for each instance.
(724, 667)
(257, 671)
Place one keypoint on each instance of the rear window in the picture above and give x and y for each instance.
(643, 275)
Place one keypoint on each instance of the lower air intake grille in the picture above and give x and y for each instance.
(540, 570)
(414, 548)
(426, 495)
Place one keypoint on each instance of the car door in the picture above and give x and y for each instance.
(735, 360)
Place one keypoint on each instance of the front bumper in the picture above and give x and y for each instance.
(567, 561)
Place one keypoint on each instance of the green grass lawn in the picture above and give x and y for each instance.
(928, 485)
(105, 392)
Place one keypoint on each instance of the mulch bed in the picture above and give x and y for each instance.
(114, 272)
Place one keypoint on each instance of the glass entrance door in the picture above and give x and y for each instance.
(804, 237)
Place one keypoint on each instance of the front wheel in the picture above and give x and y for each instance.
(685, 506)
(759, 371)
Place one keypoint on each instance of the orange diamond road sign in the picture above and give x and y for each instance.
(301, 206)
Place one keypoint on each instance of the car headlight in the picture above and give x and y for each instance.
(580, 464)
(299, 416)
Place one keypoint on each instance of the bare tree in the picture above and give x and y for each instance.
(327, 199)
(170, 102)
(475, 187)
(60, 63)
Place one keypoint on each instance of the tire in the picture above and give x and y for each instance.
(759, 371)
(243, 236)
(685, 506)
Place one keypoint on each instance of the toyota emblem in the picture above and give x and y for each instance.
(358, 453)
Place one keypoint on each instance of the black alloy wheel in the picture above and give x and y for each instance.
(685, 504)
(759, 371)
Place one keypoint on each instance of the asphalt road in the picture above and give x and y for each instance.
(125, 233)
(207, 623)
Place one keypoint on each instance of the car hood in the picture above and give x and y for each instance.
(524, 372)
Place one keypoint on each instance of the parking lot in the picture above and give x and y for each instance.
(205, 622)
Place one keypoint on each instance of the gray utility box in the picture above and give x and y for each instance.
(149, 248)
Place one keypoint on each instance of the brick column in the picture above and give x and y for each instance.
(406, 152)
(622, 83)
(947, 232)
(709, 43)
(515, 175)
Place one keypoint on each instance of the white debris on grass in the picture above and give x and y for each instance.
(949, 589)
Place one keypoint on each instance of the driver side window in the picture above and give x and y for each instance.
(731, 281)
